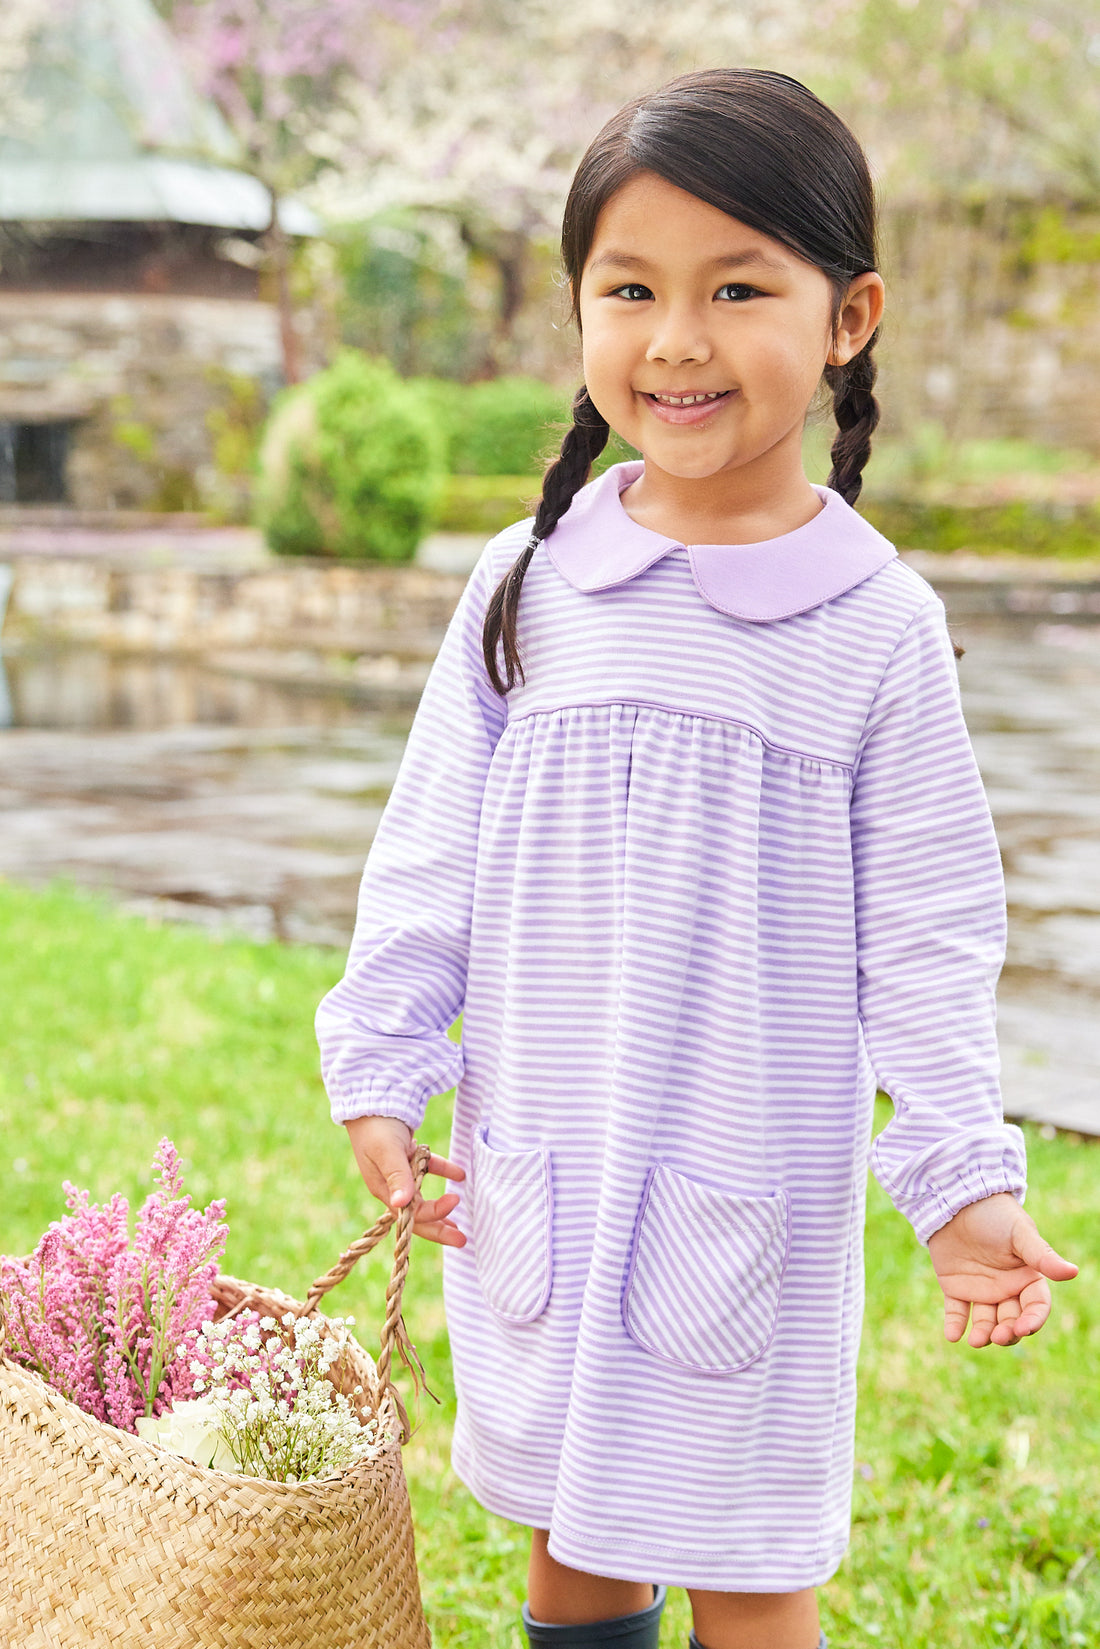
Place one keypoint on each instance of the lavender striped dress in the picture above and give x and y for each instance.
(719, 863)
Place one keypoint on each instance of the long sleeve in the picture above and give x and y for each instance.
(383, 1029)
(930, 939)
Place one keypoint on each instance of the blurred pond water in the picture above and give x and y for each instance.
(191, 793)
(194, 794)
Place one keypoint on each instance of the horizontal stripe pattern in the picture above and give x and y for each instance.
(694, 884)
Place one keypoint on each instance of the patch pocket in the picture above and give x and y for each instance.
(706, 1274)
(510, 1211)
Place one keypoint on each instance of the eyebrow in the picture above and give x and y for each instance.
(614, 259)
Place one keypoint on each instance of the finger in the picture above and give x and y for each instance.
(379, 1144)
(1005, 1333)
(1032, 1249)
(444, 1232)
(956, 1315)
(982, 1323)
(392, 1165)
(436, 1208)
(1035, 1301)
(445, 1168)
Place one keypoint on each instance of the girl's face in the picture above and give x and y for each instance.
(704, 340)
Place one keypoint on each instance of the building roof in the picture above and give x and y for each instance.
(103, 124)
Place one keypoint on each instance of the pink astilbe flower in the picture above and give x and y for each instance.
(103, 1319)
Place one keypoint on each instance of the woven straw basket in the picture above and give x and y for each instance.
(109, 1540)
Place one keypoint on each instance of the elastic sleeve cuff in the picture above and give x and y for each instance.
(932, 1186)
(406, 1105)
(935, 1211)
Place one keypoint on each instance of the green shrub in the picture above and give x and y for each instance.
(507, 426)
(486, 503)
(351, 465)
(444, 402)
(1022, 528)
(503, 428)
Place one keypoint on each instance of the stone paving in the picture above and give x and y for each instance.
(1033, 705)
(192, 793)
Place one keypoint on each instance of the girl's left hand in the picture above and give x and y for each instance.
(993, 1266)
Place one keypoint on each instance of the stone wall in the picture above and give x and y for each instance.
(993, 323)
(337, 609)
(380, 627)
(147, 381)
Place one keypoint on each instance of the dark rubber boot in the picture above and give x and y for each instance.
(693, 1642)
(640, 1630)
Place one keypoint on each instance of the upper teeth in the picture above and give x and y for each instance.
(687, 400)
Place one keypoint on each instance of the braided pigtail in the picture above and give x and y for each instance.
(583, 442)
(857, 413)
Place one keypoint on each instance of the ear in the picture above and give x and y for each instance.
(859, 315)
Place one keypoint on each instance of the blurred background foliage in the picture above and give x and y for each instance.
(982, 123)
(433, 141)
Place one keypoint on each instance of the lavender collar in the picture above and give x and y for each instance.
(596, 545)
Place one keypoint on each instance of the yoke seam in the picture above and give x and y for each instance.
(694, 715)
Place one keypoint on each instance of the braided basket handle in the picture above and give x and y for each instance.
(393, 1327)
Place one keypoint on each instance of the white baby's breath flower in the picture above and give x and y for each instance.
(279, 1404)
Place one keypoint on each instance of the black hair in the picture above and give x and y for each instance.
(762, 148)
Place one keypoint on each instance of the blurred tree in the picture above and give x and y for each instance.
(487, 124)
(975, 97)
(409, 292)
(18, 21)
(283, 72)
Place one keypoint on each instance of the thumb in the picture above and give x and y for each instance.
(392, 1162)
(1037, 1253)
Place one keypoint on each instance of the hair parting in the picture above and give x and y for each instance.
(762, 148)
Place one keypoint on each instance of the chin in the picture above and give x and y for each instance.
(692, 469)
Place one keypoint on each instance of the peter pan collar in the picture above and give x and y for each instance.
(597, 545)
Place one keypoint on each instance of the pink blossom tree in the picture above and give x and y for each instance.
(286, 74)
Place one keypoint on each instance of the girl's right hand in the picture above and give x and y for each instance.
(383, 1149)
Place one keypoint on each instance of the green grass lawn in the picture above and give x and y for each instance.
(977, 1506)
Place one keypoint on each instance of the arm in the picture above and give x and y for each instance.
(383, 1029)
(930, 938)
(930, 928)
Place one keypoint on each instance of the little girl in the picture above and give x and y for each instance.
(690, 830)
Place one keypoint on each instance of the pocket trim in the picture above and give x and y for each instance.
(515, 1166)
(658, 1190)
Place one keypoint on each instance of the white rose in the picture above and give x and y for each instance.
(191, 1430)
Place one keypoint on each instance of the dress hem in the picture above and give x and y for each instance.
(667, 1565)
(689, 1568)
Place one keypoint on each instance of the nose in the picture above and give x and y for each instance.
(679, 337)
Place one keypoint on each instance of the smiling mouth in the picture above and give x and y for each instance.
(691, 400)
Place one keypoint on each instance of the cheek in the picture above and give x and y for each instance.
(605, 359)
(790, 365)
